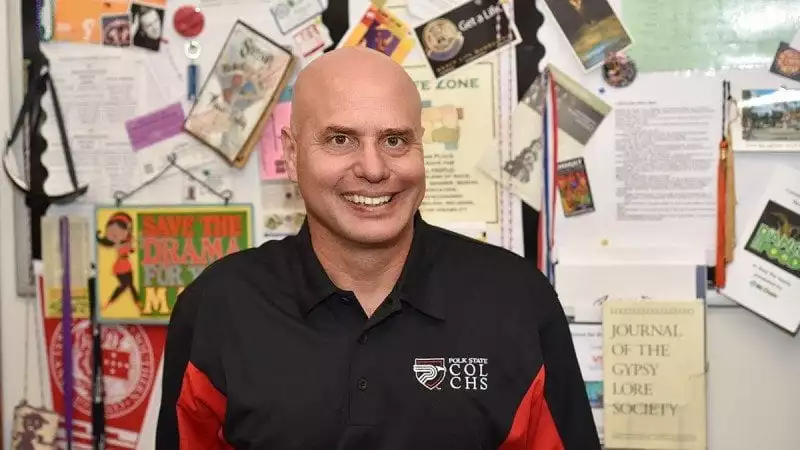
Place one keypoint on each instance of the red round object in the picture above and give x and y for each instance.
(188, 21)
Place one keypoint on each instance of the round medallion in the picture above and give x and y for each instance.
(188, 21)
(442, 39)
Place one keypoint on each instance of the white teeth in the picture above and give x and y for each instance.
(368, 201)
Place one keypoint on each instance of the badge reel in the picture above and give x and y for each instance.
(619, 70)
(192, 51)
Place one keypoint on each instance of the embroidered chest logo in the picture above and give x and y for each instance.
(469, 374)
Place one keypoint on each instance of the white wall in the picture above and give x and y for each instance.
(754, 378)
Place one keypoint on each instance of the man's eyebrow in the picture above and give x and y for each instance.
(337, 129)
(406, 131)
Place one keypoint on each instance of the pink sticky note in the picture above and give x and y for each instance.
(272, 165)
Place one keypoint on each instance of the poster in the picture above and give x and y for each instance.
(588, 342)
(147, 255)
(654, 375)
(764, 275)
(80, 265)
(459, 117)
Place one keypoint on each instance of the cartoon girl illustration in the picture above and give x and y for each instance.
(118, 235)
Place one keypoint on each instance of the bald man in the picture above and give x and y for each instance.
(369, 329)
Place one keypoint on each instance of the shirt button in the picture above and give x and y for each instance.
(362, 339)
(362, 384)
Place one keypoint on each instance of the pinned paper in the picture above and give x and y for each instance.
(273, 166)
(157, 126)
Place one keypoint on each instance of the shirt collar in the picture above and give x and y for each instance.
(413, 287)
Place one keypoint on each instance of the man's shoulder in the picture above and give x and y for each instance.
(256, 264)
(466, 251)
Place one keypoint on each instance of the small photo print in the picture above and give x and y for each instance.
(592, 28)
(767, 116)
(116, 30)
(522, 166)
(573, 185)
(147, 26)
(776, 238)
(594, 390)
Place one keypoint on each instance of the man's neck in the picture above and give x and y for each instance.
(370, 272)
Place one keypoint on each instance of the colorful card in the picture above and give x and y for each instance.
(381, 30)
(116, 30)
(147, 255)
(157, 126)
(465, 35)
(573, 185)
(592, 28)
(81, 20)
(786, 62)
(311, 40)
(239, 94)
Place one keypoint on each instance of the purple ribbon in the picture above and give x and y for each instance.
(66, 325)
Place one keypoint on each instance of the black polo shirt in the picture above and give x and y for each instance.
(471, 350)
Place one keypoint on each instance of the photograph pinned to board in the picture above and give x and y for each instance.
(573, 187)
(580, 113)
(116, 30)
(239, 94)
(381, 30)
(764, 276)
(283, 208)
(81, 21)
(147, 25)
(146, 255)
(786, 62)
(466, 34)
(769, 121)
(592, 28)
(289, 15)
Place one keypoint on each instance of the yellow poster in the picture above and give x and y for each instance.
(147, 255)
(78, 242)
(460, 120)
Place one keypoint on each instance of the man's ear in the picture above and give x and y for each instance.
(289, 153)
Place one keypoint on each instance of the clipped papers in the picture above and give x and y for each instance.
(654, 375)
(764, 276)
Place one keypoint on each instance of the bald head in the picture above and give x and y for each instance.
(348, 71)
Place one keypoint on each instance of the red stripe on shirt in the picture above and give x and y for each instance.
(201, 413)
(533, 427)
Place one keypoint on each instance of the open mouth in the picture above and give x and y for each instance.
(366, 201)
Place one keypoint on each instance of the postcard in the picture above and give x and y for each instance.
(592, 28)
(291, 14)
(147, 26)
(573, 185)
(769, 121)
(786, 62)
(381, 30)
(283, 208)
(588, 342)
(156, 126)
(764, 275)
(273, 166)
(239, 94)
(466, 34)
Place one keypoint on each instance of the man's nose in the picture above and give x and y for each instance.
(371, 164)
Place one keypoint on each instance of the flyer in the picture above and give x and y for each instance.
(764, 276)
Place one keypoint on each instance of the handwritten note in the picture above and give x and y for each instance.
(654, 372)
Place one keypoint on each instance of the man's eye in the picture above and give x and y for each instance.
(395, 141)
(340, 139)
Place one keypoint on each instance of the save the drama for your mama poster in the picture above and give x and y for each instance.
(147, 255)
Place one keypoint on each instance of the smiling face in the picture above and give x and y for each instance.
(355, 146)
